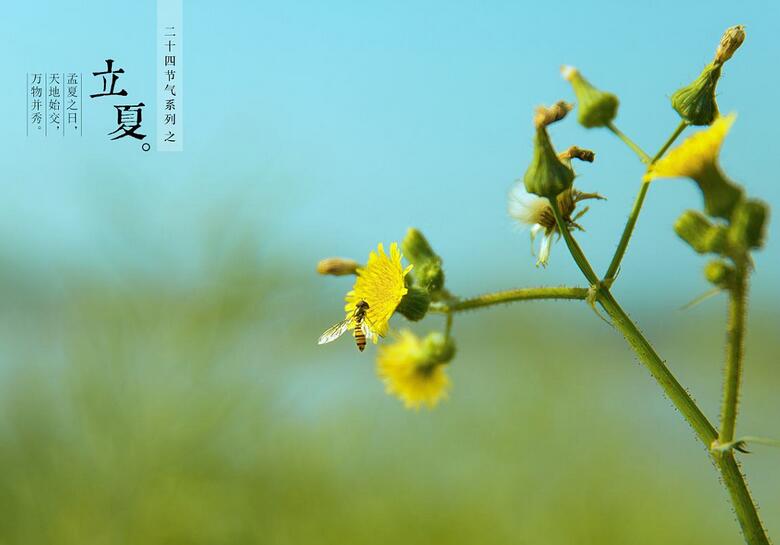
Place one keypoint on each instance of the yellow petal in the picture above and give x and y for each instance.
(695, 154)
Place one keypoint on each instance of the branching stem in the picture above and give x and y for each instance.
(628, 230)
(744, 507)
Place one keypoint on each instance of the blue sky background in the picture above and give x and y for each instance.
(330, 126)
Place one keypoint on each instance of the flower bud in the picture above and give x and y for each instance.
(337, 266)
(596, 108)
(700, 234)
(546, 176)
(696, 102)
(720, 273)
(414, 304)
(748, 224)
(427, 272)
(729, 43)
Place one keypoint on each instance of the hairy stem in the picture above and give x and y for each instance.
(628, 230)
(574, 248)
(744, 506)
(508, 296)
(735, 335)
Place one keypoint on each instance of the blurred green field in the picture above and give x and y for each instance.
(142, 409)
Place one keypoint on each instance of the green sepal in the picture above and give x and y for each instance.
(414, 305)
(438, 348)
(721, 195)
(595, 108)
(696, 102)
(546, 176)
(748, 224)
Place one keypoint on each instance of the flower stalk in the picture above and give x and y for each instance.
(735, 335)
(509, 296)
(645, 158)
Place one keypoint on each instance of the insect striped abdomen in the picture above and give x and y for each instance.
(360, 337)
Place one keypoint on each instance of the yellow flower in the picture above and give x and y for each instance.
(696, 155)
(380, 284)
(697, 158)
(413, 369)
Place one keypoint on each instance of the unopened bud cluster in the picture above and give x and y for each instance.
(425, 283)
(732, 239)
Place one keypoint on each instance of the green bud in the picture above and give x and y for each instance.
(696, 102)
(414, 305)
(700, 234)
(546, 176)
(720, 273)
(596, 108)
(427, 272)
(721, 195)
(438, 349)
(748, 224)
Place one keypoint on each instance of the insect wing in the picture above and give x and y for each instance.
(333, 333)
(367, 328)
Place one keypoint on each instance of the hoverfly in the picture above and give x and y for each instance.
(362, 329)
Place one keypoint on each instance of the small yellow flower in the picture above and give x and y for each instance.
(380, 284)
(413, 369)
(696, 155)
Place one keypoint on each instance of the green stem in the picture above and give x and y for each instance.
(735, 335)
(645, 158)
(628, 230)
(744, 507)
(574, 248)
(677, 132)
(508, 296)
